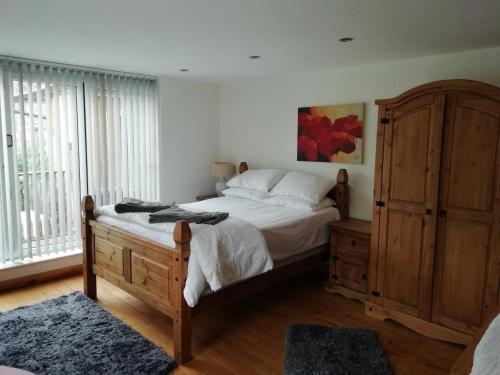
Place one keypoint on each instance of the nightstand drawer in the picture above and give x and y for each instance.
(351, 272)
(352, 242)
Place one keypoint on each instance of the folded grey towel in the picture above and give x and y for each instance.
(136, 205)
(173, 214)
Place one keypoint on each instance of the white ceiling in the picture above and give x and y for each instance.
(213, 38)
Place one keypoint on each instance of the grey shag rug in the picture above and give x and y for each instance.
(73, 335)
(315, 350)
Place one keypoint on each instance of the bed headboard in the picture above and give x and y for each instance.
(339, 193)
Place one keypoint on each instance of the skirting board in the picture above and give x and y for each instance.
(30, 268)
(40, 277)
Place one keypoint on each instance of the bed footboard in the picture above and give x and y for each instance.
(151, 272)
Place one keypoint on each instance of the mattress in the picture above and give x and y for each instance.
(287, 231)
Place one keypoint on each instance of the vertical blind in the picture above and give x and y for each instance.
(65, 133)
(122, 132)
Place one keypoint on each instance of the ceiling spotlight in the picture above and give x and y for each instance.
(346, 40)
(254, 57)
(183, 70)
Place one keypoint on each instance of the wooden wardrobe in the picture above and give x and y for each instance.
(435, 250)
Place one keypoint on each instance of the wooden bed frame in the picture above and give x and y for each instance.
(156, 273)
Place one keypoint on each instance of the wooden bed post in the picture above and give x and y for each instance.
(243, 167)
(89, 278)
(182, 313)
(342, 193)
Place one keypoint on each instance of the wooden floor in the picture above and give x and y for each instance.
(248, 338)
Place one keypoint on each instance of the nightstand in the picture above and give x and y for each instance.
(208, 196)
(349, 258)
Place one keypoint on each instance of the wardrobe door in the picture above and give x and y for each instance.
(409, 192)
(468, 227)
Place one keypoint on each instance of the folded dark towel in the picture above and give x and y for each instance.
(136, 205)
(172, 214)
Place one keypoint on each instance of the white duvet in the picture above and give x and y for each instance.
(236, 248)
(220, 254)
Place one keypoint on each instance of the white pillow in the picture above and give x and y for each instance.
(299, 203)
(257, 179)
(303, 185)
(255, 195)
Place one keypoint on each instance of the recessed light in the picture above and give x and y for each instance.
(254, 57)
(346, 39)
(183, 70)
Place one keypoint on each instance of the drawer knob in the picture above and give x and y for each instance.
(335, 277)
(364, 276)
(353, 243)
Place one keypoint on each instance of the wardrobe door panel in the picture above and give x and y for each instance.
(464, 269)
(472, 171)
(410, 142)
(403, 253)
(411, 146)
(467, 252)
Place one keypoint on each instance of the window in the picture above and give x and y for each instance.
(65, 133)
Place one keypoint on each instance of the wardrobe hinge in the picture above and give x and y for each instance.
(384, 120)
(380, 204)
(375, 293)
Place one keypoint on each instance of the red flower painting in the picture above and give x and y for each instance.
(330, 133)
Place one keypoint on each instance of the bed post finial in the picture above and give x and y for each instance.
(89, 279)
(341, 193)
(88, 204)
(342, 176)
(243, 167)
(182, 312)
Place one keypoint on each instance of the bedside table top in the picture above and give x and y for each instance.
(206, 196)
(352, 225)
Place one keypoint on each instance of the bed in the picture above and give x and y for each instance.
(161, 268)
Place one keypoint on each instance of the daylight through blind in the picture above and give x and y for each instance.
(63, 134)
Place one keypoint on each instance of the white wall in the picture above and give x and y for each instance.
(189, 138)
(258, 118)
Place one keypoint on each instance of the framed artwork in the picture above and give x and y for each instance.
(332, 133)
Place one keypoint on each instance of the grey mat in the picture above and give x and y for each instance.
(315, 350)
(73, 335)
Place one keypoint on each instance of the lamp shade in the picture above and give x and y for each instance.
(222, 169)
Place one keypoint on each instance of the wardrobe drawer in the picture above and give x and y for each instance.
(352, 242)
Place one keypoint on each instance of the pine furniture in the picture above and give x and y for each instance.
(206, 196)
(156, 273)
(349, 258)
(435, 249)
